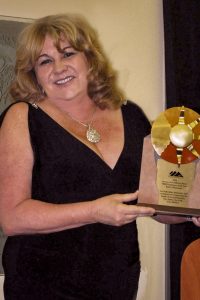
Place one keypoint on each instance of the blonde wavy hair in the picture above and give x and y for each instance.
(102, 79)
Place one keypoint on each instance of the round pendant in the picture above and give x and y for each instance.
(175, 135)
(92, 135)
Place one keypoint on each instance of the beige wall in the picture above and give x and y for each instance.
(132, 32)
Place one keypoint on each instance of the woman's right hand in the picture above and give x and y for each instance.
(113, 210)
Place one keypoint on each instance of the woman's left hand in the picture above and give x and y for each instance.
(196, 221)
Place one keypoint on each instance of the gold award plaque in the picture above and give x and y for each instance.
(170, 170)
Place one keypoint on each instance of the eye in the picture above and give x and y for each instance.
(68, 54)
(45, 62)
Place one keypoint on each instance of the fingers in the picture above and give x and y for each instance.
(113, 210)
(196, 221)
(140, 211)
(128, 197)
(137, 211)
(128, 217)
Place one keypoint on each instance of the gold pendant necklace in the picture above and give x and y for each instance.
(92, 134)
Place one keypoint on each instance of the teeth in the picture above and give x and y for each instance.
(62, 81)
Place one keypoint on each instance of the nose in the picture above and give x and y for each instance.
(59, 66)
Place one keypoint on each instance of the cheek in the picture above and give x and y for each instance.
(41, 76)
(84, 71)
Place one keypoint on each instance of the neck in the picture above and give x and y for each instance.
(80, 110)
(87, 122)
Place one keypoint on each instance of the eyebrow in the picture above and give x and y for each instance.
(67, 47)
(42, 55)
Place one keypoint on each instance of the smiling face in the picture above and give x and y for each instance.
(62, 74)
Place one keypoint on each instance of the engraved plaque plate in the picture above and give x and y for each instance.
(174, 182)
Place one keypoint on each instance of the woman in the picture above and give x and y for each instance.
(70, 154)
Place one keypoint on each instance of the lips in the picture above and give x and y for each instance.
(64, 80)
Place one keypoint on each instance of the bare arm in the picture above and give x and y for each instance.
(19, 214)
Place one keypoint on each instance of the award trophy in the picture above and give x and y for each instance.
(170, 170)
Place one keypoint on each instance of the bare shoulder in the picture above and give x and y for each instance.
(14, 133)
(16, 114)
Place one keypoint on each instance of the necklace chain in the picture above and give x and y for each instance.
(92, 134)
(84, 124)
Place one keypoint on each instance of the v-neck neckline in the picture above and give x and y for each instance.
(77, 140)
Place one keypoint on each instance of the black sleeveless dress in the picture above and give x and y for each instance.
(93, 262)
